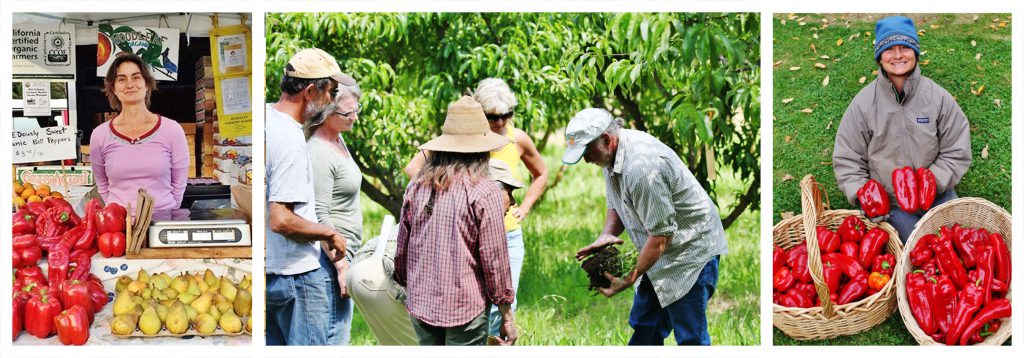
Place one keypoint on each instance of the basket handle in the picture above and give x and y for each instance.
(810, 197)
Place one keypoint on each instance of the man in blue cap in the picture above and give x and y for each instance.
(669, 217)
(901, 119)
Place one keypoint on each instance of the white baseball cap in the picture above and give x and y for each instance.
(584, 128)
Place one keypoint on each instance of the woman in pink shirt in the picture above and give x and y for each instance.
(138, 148)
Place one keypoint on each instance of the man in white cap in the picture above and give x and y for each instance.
(303, 300)
(670, 218)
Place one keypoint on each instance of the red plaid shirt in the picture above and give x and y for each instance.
(453, 257)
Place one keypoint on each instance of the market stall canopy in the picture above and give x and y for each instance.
(86, 23)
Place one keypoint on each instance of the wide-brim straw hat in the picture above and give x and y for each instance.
(465, 130)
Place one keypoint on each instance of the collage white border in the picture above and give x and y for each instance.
(766, 7)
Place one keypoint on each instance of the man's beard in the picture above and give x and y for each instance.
(315, 114)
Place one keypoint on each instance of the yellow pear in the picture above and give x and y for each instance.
(180, 284)
(149, 323)
(142, 276)
(227, 289)
(177, 319)
(230, 322)
(168, 302)
(195, 287)
(210, 278)
(186, 298)
(137, 311)
(137, 286)
(123, 304)
(165, 278)
(146, 293)
(202, 303)
(122, 283)
(248, 325)
(191, 313)
(161, 311)
(215, 313)
(158, 281)
(138, 300)
(124, 325)
(205, 324)
(243, 303)
(245, 283)
(170, 293)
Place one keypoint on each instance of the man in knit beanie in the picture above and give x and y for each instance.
(901, 119)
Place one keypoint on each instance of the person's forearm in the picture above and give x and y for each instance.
(283, 221)
(506, 313)
(649, 254)
(533, 193)
(612, 224)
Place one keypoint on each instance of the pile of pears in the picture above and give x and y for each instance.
(200, 301)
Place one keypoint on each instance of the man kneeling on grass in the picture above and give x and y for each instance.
(669, 217)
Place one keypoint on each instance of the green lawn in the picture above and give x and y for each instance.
(555, 307)
(803, 141)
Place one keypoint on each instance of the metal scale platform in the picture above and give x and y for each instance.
(199, 228)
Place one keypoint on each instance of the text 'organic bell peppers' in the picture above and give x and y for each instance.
(969, 301)
(26, 251)
(919, 295)
(926, 188)
(111, 244)
(828, 241)
(851, 230)
(904, 185)
(73, 326)
(873, 199)
(871, 246)
(39, 313)
(995, 309)
(111, 219)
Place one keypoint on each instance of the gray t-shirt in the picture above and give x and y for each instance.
(336, 182)
(289, 180)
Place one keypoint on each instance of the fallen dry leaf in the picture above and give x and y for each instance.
(862, 79)
(977, 57)
(975, 18)
(787, 177)
(974, 43)
(783, 21)
(984, 152)
(815, 36)
(801, 23)
(825, 81)
(933, 26)
(825, 57)
(794, 68)
(1002, 23)
(813, 48)
(787, 215)
(874, 73)
(924, 53)
(926, 61)
(998, 103)
(856, 35)
(829, 125)
(819, 65)
(807, 110)
(777, 63)
(839, 42)
(787, 100)
(788, 138)
(825, 163)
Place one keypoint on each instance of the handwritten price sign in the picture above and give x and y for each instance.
(44, 144)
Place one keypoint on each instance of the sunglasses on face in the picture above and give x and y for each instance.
(359, 107)
(497, 117)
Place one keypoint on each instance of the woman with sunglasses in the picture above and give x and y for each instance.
(498, 102)
(336, 182)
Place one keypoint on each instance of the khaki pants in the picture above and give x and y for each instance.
(473, 333)
(375, 295)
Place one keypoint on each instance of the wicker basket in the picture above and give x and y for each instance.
(829, 320)
(969, 212)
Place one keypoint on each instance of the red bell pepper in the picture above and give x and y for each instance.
(926, 188)
(920, 298)
(65, 211)
(871, 246)
(76, 293)
(807, 290)
(794, 298)
(58, 262)
(851, 230)
(18, 317)
(832, 275)
(111, 219)
(849, 249)
(27, 276)
(944, 304)
(986, 330)
(922, 252)
(828, 241)
(847, 265)
(873, 199)
(996, 309)
(73, 326)
(904, 185)
(26, 251)
(854, 290)
(969, 301)
(86, 235)
(36, 208)
(948, 261)
(783, 280)
(984, 272)
(24, 222)
(797, 261)
(39, 313)
(884, 264)
(779, 258)
(97, 293)
(1001, 255)
(111, 244)
(965, 243)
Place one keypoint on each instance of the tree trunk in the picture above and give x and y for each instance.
(744, 203)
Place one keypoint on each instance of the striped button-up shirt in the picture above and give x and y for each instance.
(654, 194)
(453, 257)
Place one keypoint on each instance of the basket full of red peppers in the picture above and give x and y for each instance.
(954, 282)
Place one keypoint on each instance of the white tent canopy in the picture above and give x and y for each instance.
(86, 23)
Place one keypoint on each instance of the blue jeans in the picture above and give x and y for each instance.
(516, 252)
(345, 321)
(304, 309)
(686, 316)
(904, 222)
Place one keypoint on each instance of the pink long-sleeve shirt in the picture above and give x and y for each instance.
(156, 161)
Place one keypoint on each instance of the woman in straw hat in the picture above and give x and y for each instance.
(451, 255)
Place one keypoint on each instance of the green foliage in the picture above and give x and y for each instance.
(692, 80)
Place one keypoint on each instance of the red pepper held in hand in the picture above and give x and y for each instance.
(871, 246)
(873, 199)
(828, 241)
(851, 230)
(919, 295)
(926, 185)
(996, 309)
(970, 300)
(904, 185)
(73, 326)
(39, 313)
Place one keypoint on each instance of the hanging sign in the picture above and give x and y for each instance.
(43, 51)
(44, 144)
(231, 46)
(158, 47)
(36, 95)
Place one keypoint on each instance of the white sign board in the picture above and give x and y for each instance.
(44, 144)
(36, 95)
(43, 51)
(157, 46)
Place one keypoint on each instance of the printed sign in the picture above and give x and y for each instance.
(44, 144)
(43, 51)
(55, 176)
(37, 98)
(158, 47)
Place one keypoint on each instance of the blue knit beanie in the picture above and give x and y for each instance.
(895, 30)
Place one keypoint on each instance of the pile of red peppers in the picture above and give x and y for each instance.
(853, 266)
(914, 189)
(957, 289)
(65, 302)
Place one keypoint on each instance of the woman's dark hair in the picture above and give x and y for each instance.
(111, 78)
(442, 167)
